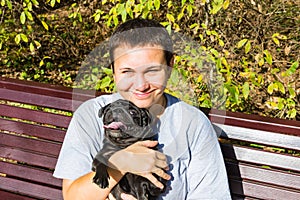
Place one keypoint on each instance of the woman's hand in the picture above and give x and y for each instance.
(140, 159)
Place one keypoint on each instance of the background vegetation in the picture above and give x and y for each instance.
(255, 46)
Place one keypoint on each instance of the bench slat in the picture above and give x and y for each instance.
(37, 99)
(31, 174)
(263, 175)
(261, 157)
(48, 89)
(256, 122)
(30, 144)
(257, 191)
(27, 157)
(36, 190)
(10, 196)
(260, 137)
(34, 116)
(32, 130)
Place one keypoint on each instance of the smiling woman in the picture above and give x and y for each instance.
(142, 60)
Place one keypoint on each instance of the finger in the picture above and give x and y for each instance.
(161, 173)
(160, 156)
(162, 164)
(127, 197)
(152, 178)
(148, 143)
(111, 197)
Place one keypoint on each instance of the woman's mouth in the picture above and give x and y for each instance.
(142, 95)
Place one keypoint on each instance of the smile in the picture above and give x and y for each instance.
(142, 95)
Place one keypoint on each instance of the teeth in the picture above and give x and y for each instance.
(115, 133)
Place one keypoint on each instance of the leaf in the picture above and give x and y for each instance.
(29, 6)
(241, 43)
(180, 16)
(292, 113)
(105, 82)
(2, 3)
(107, 71)
(18, 39)
(45, 25)
(31, 47)
(216, 6)
(23, 17)
(24, 37)
(52, 3)
(157, 4)
(268, 57)
(29, 15)
(37, 44)
(226, 4)
(97, 17)
(292, 92)
(214, 52)
(35, 2)
(221, 42)
(42, 63)
(247, 47)
(275, 40)
(9, 5)
(170, 17)
(270, 88)
(292, 69)
(190, 10)
(280, 87)
(246, 90)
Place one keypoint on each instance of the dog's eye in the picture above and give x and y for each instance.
(133, 112)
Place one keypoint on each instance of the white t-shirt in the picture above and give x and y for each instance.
(185, 136)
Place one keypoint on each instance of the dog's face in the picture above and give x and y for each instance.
(125, 123)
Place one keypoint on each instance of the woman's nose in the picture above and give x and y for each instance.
(141, 83)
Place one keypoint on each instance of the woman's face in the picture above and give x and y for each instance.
(141, 74)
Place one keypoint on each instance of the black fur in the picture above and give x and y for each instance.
(133, 125)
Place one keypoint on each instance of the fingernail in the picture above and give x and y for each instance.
(123, 196)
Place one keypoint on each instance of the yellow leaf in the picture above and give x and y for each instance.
(247, 47)
(45, 25)
(226, 4)
(242, 43)
(276, 41)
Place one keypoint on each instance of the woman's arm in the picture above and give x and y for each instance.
(83, 188)
(138, 159)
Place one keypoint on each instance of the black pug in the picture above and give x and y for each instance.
(125, 124)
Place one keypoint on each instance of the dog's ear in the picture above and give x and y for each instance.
(146, 117)
(102, 110)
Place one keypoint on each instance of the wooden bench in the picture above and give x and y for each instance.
(262, 155)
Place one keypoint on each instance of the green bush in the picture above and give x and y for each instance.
(250, 48)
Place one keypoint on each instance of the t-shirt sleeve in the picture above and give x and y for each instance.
(207, 178)
(82, 142)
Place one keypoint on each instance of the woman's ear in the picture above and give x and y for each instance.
(170, 66)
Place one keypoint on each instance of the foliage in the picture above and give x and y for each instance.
(250, 48)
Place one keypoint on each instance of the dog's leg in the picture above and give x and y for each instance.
(101, 177)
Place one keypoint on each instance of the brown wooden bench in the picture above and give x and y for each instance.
(262, 154)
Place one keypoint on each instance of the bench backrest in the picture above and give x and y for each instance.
(261, 154)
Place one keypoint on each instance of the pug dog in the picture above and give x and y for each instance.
(125, 124)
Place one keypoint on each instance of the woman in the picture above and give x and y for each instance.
(189, 157)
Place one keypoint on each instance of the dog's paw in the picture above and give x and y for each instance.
(101, 177)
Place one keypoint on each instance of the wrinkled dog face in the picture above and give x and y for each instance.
(125, 123)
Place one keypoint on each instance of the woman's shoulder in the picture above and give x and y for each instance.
(175, 103)
(98, 102)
